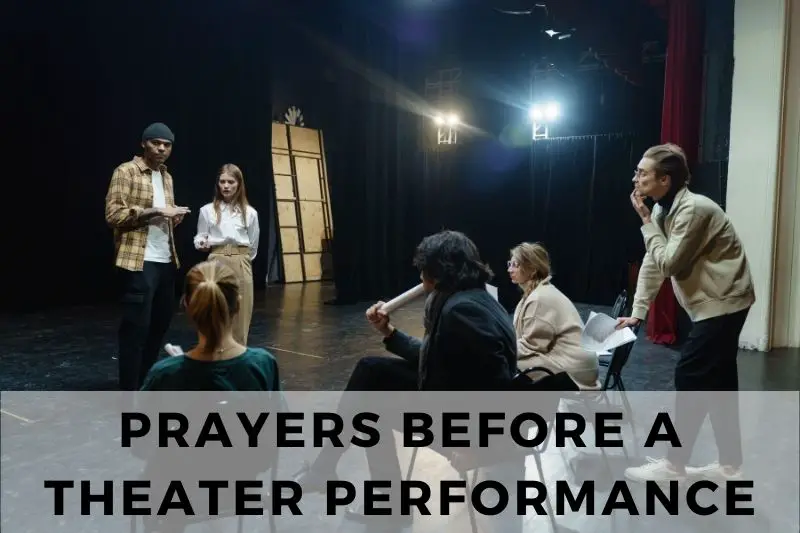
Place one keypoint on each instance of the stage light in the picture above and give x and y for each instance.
(544, 112)
(541, 115)
(535, 113)
(551, 111)
(446, 128)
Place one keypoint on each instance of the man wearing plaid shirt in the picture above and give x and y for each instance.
(140, 208)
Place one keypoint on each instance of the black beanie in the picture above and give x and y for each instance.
(157, 130)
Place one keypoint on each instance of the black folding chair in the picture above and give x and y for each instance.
(522, 382)
(613, 380)
(620, 304)
(616, 362)
(589, 402)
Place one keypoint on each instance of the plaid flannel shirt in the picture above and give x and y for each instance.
(129, 194)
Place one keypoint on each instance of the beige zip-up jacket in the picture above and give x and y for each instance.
(549, 330)
(701, 253)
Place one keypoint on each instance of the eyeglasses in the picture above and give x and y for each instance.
(513, 264)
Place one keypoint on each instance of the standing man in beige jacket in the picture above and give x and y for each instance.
(689, 239)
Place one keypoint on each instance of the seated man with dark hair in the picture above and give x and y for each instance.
(469, 344)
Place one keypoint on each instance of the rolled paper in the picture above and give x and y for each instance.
(399, 301)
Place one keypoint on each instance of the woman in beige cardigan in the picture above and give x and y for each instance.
(548, 325)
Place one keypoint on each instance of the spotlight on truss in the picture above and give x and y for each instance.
(446, 126)
(541, 116)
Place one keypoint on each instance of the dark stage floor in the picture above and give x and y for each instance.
(317, 345)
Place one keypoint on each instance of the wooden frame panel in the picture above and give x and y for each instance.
(303, 203)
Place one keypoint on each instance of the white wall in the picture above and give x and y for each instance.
(754, 163)
(786, 293)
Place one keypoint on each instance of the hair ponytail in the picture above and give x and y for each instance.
(211, 298)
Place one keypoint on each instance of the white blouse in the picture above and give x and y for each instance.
(230, 229)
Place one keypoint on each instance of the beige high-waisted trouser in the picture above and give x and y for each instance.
(238, 258)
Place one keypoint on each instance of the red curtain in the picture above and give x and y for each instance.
(680, 124)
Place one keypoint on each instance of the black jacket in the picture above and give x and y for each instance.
(473, 347)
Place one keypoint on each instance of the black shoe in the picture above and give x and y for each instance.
(356, 514)
(313, 479)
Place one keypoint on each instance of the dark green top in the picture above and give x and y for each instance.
(255, 370)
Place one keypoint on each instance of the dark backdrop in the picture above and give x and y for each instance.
(358, 76)
(82, 80)
(569, 194)
(88, 77)
(346, 70)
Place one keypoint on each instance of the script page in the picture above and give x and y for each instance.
(491, 289)
(600, 334)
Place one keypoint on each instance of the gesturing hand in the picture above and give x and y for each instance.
(174, 212)
(641, 209)
(379, 319)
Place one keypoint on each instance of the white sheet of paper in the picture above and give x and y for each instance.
(600, 334)
(491, 289)
(173, 349)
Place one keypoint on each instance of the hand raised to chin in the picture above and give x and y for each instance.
(639, 206)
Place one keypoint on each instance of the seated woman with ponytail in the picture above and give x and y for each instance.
(218, 362)
(548, 325)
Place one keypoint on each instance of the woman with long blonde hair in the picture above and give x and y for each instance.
(228, 228)
(218, 362)
(547, 323)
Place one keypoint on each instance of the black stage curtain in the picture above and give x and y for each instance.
(355, 79)
(85, 78)
(375, 184)
(346, 73)
(711, 179)
(570, 194)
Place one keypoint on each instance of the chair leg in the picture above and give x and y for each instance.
(629, 414)
(567, 462)
(471, 484)
(608, 463)
(273, 472)
(550, 514)
(625, 452)
(411, 463)
(624, 446)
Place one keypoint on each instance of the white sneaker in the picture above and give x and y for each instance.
(714, 472)
(658, 470)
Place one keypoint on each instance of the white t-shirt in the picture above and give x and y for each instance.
(158, 249)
